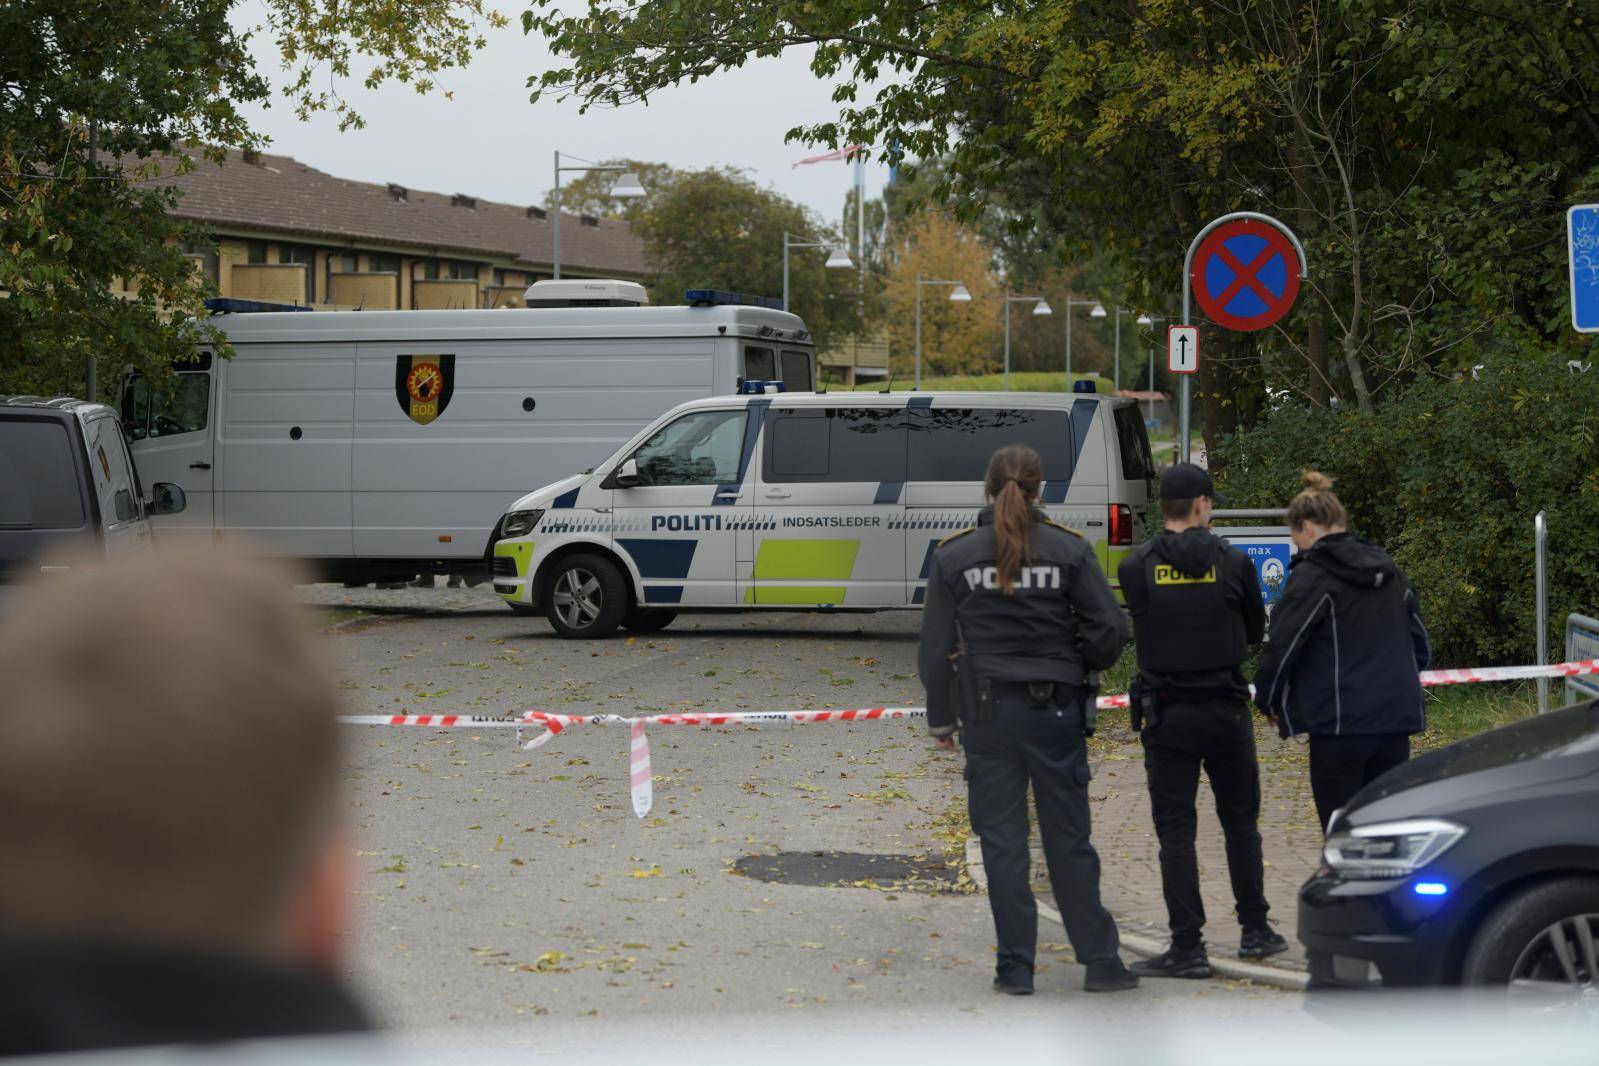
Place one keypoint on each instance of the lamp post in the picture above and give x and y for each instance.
(1097, 312)
(627, 187)
(1042, 308)
(1147, 319)
(959, 296)
(837, 258)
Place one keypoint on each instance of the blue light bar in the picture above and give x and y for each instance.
(721, 298)
(1087, 385)
(758, 388)
(1431, 888)
(234, 305)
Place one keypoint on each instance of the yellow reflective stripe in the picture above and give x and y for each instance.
(520, 550)
(1109, 559)
(791, 595)
(806, 560)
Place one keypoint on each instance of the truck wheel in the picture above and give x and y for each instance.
(647, 619)
(587, 597)
(1541, 942)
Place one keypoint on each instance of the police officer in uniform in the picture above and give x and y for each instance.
(1018, 618)
(1196, 608)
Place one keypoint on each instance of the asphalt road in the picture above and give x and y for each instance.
(499, 886)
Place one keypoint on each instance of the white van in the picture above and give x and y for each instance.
(379, 445)
(807, 502)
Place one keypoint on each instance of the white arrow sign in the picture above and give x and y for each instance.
(1182, 349)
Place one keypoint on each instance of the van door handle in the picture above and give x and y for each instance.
(729, 494)
(778, 494)
(200, 466)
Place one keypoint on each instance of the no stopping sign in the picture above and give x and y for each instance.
(1245, 274)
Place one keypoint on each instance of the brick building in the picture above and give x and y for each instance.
(289, 233)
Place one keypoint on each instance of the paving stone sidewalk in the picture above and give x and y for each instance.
(1124, 833)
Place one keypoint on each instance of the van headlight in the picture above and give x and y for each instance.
(520, 523)
(1389, 849)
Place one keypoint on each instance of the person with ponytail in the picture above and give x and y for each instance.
(1018, 621)
(1345, 654)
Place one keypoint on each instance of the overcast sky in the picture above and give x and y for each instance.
(489, 141)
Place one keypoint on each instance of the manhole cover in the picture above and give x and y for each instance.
(844, 869)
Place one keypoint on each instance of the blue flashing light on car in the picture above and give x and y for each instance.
(1431, 888)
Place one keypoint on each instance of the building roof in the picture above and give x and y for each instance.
(277, 194)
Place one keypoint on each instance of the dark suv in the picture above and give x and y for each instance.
(1477, 864)
(67, 484)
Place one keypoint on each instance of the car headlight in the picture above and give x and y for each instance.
(1389, 849)
(520, 523)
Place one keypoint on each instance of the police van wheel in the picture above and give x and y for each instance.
(647, 619)
(587, 598)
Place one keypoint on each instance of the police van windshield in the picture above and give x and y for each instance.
(181, 410)
(39, 483)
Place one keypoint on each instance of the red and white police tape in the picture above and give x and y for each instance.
(641, 778)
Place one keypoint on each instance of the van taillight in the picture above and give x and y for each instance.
(1121, 524)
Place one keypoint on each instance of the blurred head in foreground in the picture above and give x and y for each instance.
(168, 767)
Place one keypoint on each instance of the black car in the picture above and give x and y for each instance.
(1476, 864)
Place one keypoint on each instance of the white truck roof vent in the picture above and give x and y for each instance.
(585, 292)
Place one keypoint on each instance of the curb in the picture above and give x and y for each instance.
(1147, 947)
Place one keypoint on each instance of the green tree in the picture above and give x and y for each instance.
(98, 98)
(717, 229)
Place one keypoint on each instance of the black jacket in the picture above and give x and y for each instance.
(1061, 622)
(1194, 552)
(1347, 645)
(79, 997)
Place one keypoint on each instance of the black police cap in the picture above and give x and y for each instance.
(1185, 481)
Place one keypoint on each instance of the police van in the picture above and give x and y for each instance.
(380, 445)
(826, 501)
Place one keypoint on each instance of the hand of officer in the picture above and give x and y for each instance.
(946, 742)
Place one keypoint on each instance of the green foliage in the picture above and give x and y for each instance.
(717, 229)
(1448, 477)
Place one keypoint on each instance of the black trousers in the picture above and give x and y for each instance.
(1022, 745)
(1342, 766)
(1219, 737)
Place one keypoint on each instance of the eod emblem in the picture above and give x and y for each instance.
(424, 384)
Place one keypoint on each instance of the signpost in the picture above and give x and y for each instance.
(1582, 250)
(1182, 349)
(1245, 269)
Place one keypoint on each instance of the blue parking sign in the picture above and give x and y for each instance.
(1582, 247)
(1270, 556)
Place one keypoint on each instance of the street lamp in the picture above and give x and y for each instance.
(959, 296)
(1041, 307)
(1147, 319)
(1097, 312)
(627, 187)
(837, 258)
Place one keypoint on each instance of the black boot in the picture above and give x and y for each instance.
(1014, 986)
(1191, 963)
(1259, 943)
(1109, 977)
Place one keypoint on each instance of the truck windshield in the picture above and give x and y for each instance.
(39, 486)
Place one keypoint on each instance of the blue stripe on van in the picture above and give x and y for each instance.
(927, 560)
(1082, 419)
(663, 593)
(888, 492)
(565, 499)
(920, 401)
(920, 595)
(752, 432)
(660, 558)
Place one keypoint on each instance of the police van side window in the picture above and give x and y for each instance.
(702, 448)
(183, 410)
(760, 364)
(1133, 441)
(954, 444)
(836, 444)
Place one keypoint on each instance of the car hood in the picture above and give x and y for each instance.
(1557, 746)
(545, 496)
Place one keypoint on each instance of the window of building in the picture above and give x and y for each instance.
(955, 444)
(255, 251)
(383, 263)
(342, 263)
(462, 271)
(836, 445)
(205, 254)
(305, 255)
(702, 448)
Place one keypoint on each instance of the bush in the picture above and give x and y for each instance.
(1448, 475)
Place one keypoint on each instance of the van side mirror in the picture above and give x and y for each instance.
(167, 498)
(626, 476)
